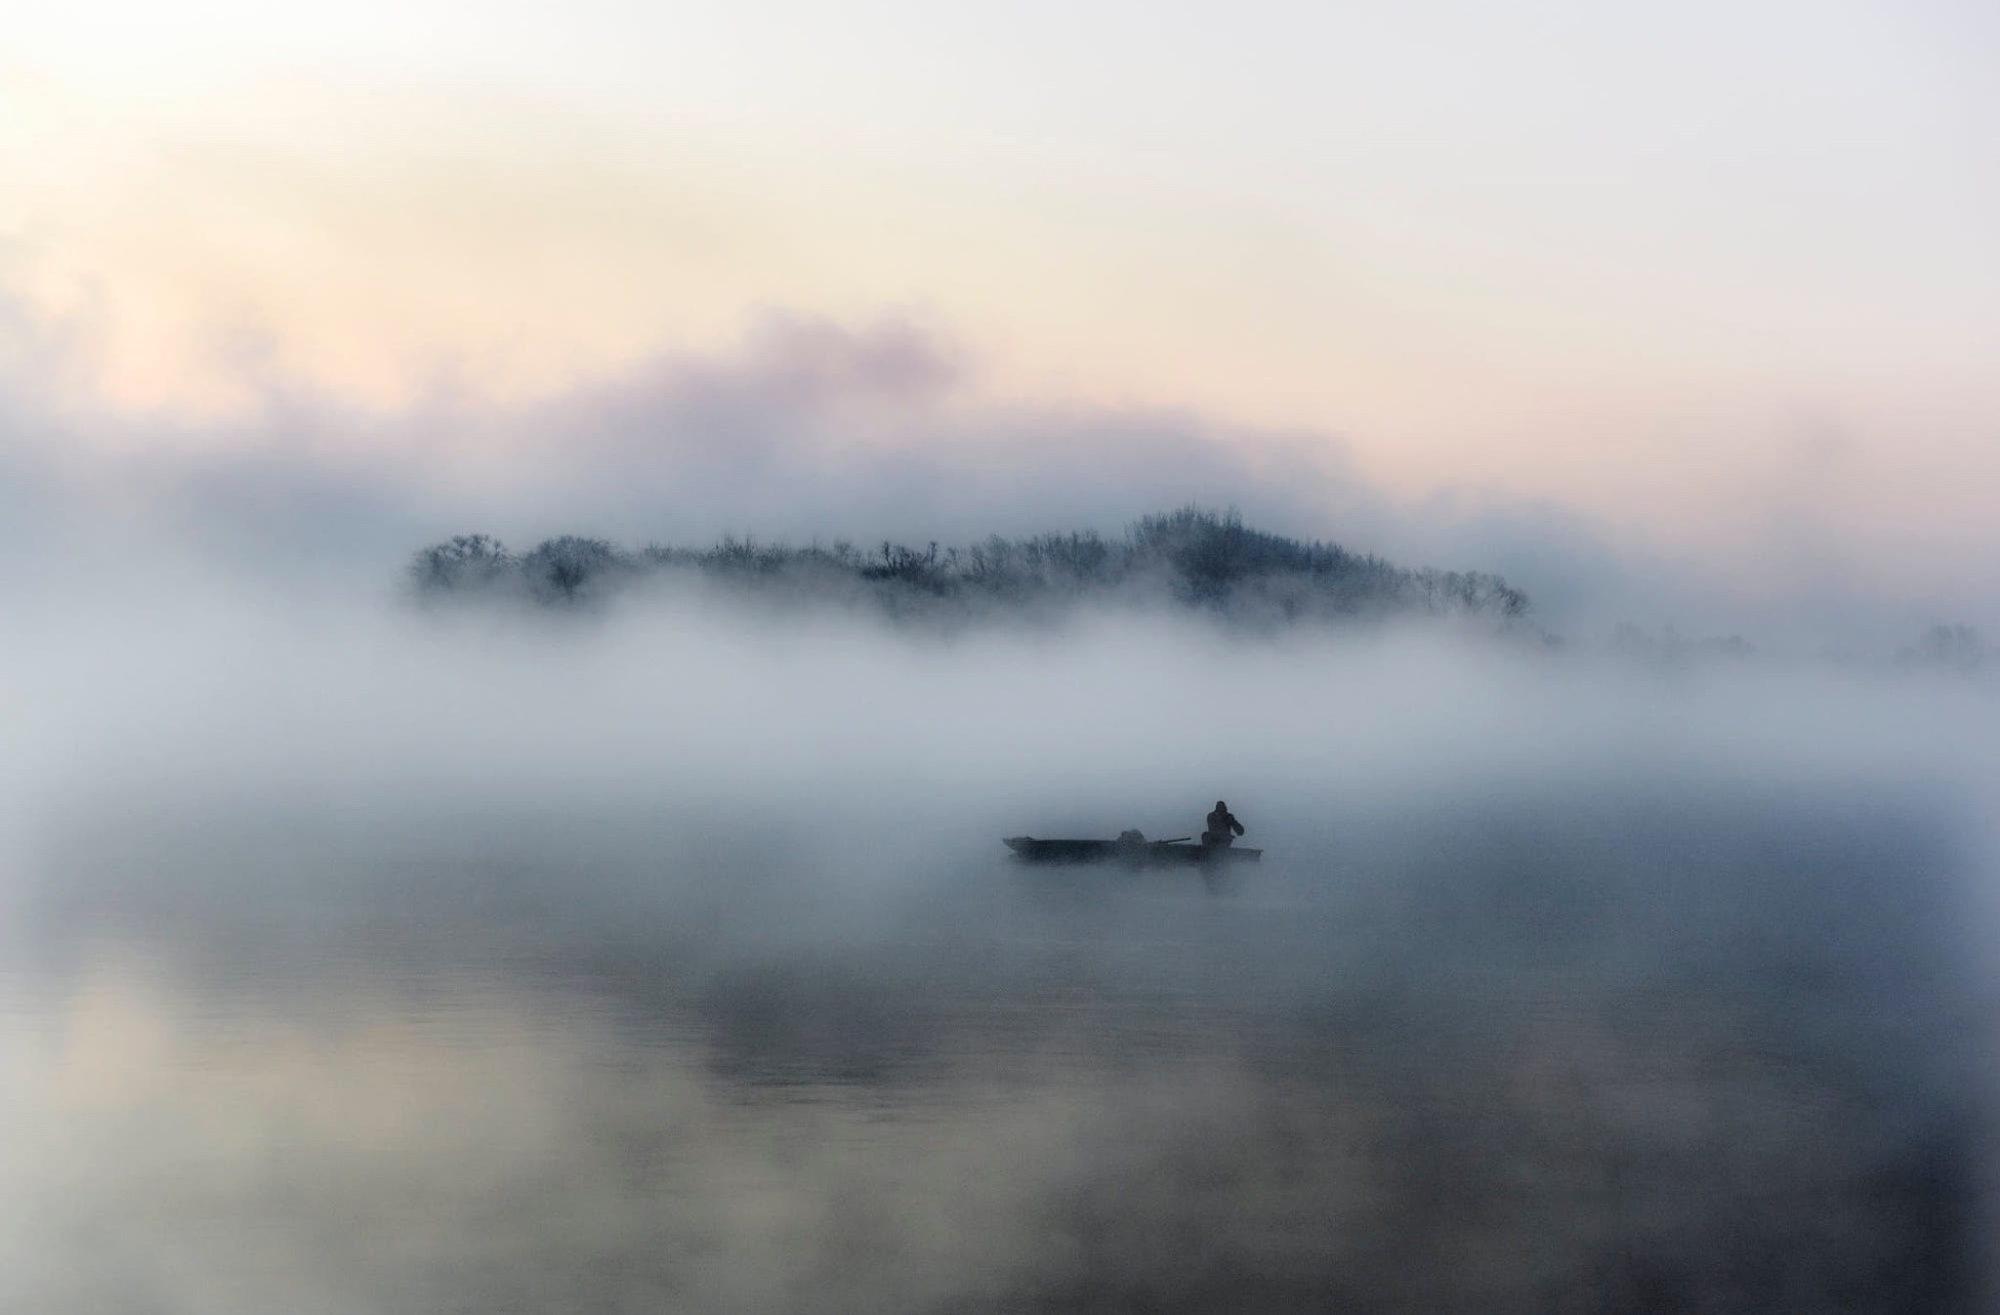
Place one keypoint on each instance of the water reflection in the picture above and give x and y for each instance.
(1495, 1072)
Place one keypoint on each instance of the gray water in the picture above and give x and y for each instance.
(366, 968)
(1561, 1052)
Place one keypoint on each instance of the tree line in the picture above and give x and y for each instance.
(1191, 558)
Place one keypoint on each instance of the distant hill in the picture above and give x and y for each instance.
(1188, 559)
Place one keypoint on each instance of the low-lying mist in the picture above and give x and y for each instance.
(368, 959)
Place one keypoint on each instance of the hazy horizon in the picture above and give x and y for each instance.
(1703, 290)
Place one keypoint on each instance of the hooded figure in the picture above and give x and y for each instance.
(1223, 828)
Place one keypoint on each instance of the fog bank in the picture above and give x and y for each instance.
(364, 959)
(810, 431)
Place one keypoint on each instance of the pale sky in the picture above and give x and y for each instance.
(1712, 270)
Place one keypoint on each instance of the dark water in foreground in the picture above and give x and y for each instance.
(1701, 1054)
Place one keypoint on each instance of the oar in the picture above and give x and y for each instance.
(1175, 841)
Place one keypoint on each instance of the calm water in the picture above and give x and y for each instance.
(1705, 1054)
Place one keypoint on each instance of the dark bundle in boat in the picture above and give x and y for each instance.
(1131, 848)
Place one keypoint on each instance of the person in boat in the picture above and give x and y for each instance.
(1223, 828)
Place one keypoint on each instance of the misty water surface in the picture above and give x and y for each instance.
(366, 962)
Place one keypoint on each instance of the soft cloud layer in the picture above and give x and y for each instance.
(1634, 263)
(814, 431)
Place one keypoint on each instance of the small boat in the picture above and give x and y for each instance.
(1131, 849)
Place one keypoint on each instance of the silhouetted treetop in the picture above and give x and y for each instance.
(1188, 559)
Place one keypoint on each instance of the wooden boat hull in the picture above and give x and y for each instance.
(1144, 853)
